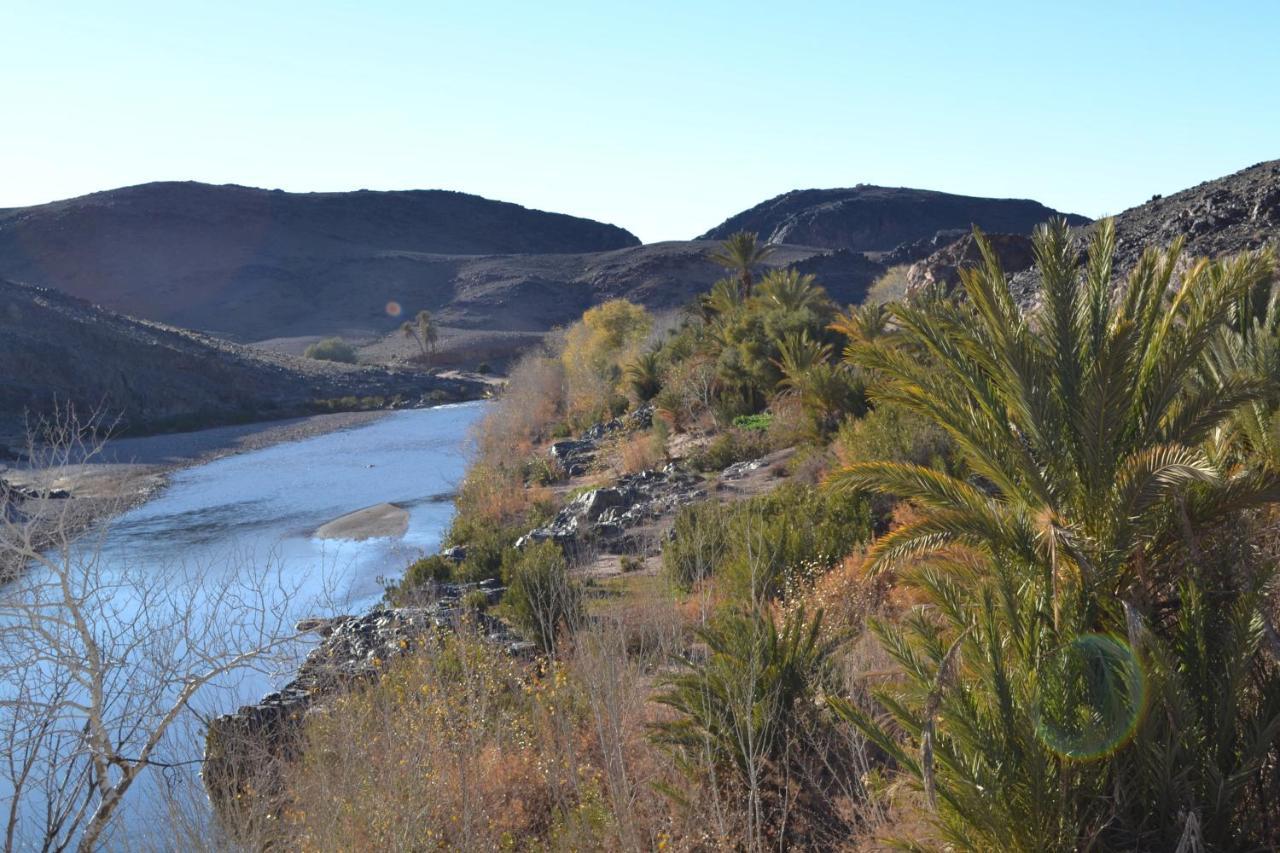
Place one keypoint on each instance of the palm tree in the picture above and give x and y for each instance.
(741, 254)
(723, 299)
(1068, 585)
(826, 389)
(791, 291)
(862, 325)
(422, 330)
(1083, 423)
(644, 376)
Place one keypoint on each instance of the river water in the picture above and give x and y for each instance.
(259, 508)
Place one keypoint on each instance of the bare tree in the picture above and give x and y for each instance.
(100, 660)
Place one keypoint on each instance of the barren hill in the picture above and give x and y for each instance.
(56, 348)
(227, 258)
(1220, 217)
(868, 218)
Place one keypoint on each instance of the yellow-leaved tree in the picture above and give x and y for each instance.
(596, 348)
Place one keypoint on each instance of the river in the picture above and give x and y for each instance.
(259, 509)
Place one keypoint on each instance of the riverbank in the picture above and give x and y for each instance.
(103, 481)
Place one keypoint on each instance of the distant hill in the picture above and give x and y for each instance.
(186, 252)
(867, 218)
(58, 349)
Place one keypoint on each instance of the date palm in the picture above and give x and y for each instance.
(791, 291)
(741, 254)
(1083, 422)
(422, 331)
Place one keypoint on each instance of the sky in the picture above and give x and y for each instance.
(662, 117)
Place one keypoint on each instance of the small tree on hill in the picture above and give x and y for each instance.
(422, 330)
(741, 254)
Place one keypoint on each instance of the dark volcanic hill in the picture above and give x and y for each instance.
(58, 349)
(180, 252)
(877, 219)
(1219, 217)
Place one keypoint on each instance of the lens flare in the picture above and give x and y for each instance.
(393, 309)
(1091, 696)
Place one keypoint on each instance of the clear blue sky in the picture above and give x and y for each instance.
(662, 117)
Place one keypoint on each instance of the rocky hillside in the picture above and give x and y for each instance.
(1219, 217)
(58, 349)
(867, 218)
(214, 257)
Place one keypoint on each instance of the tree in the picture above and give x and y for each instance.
(1068, 659)
(422, 330)
(1085, 422)
(741, 253)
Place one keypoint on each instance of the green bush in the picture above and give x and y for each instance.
(759, 422)
(730, 446)
(541, 597)
(332, 349)
(759, 545)
(892, 433)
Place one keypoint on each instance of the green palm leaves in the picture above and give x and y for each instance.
(741, 254)
(1080, 421)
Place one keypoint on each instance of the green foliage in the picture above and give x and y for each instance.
(486, 546)
(542, 598)
(737, 707)
(596, 348)
(890, 287)
(1085, 423)
(730, 446)
(741, 254)
(332, 349)
(756, 545)
(644, 376)
(1086, 653)
(422, 330)
(426, 570)
(892, 432)
(758, 423)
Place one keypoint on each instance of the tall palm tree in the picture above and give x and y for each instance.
(741, 254)
(1084, 422)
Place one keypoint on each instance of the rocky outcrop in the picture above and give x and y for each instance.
(1220, 217)
(868, 218)
(244, 750)
(941, 270)
(55, 349)
(601, 518)
(575, 456)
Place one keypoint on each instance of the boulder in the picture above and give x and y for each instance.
(942, 269)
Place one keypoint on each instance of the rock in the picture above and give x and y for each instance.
(456, 554)
(942, 268)
(603, 516)
(374, 522)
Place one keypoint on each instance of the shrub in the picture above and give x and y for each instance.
(747, 722)
(893, 433)
(332, 349)
(755, 545)
(759, 422)
(732, 445)
(426, 570)
(542, 598)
